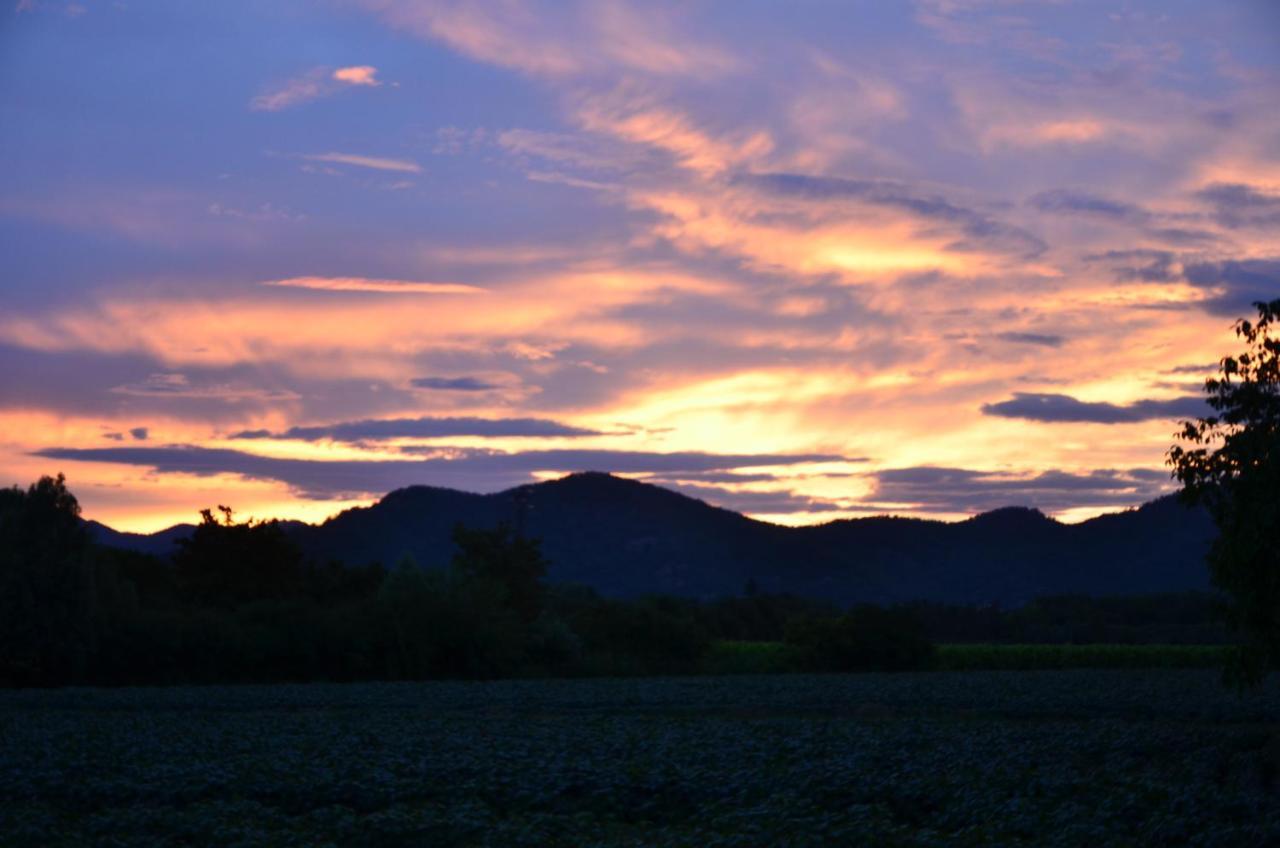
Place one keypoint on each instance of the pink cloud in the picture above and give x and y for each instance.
(361, 284)
(357, 75)
(313, 85)
(377, 163)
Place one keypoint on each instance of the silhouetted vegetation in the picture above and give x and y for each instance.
(1176, 618)
(47, 615)
(238, 601)
(866, 638)
(1231, 465)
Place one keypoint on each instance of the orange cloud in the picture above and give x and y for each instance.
(637, 119)
(561, 40)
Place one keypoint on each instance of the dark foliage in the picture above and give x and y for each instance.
(225, 563)
(1231, 464)
(652, 635)
(241, 602)
(866, 638)
(1182, 618)
(628, 539)
(46, 585)
(507, 559)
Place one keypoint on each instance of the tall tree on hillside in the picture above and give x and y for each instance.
(46, 584)
(1229, 462)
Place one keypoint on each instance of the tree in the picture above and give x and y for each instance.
(46, 584)
(866, 638)
(1230, 464)
(509, 559)
(226, 563)
(447, 624)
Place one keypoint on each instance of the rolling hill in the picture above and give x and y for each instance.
(626, 538)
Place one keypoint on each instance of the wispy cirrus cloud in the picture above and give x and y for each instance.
(362, 284)
(313, 85)
(563, 40)
(376, 163)
(1075, 202)
(179, 387)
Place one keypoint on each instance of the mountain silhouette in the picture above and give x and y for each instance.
(627, 538)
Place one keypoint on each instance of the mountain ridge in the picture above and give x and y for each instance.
(627, 538)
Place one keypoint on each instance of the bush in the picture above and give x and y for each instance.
(867, 638)
(444, 624)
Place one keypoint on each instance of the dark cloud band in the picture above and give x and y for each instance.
(423, 428)
(1066, 409)
(460, 468)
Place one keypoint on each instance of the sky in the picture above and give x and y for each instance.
(806, 261)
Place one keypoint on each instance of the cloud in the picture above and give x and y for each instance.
(1072, 202)
(454, 384)
(377, 163)
(357, 75)
(638, 118)
(961, 490)
(1042, 339)
(1205, 369)
(560, 39)
(314, 84)
(1052, 132)
(1237, 283)
(1236, 205)
(175, 385)
(362, 284)
(423, 428)
(1140, 265)
(468, 469)
(771, 502)
(976, 228)
(1064, 408)
(140, 433)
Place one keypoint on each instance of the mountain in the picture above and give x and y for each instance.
(627, 538)
(160, 543)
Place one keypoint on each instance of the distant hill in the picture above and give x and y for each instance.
(160, 543)
(627, 538)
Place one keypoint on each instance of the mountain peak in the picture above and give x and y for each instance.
(1012, 517)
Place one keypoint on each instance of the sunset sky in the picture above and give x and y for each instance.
(804, 260)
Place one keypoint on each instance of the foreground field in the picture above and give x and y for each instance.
(774, 658)
(1158, 757)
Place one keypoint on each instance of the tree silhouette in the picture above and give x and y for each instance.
(225, 563)
(46, 584)
(1231, 465)
(507, 558)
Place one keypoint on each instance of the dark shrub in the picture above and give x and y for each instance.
(867, 638)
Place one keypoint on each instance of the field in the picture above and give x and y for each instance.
(1025, 657)
(958, 758)
(773, 658)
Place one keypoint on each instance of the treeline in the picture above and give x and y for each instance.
(238, 602)
(1173, 618)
